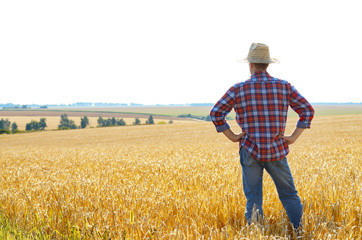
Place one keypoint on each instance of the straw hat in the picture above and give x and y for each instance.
(259, 53)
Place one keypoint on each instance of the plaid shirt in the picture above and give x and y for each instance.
(261, 106)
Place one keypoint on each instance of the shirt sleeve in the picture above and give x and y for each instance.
(221, 109)
(302, 107)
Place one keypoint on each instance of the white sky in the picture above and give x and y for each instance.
(166, 52)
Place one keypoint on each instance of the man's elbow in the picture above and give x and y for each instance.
(312, 111)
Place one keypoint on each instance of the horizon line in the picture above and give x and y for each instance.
(110, 104)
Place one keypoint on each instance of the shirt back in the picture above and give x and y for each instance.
(261, 105)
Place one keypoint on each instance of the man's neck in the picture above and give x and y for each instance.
(258, 71)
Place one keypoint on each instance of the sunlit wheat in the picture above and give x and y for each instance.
(180, 181)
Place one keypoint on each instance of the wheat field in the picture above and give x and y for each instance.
(178, 181)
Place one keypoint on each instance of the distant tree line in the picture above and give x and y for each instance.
(7, 127)
(120, 122)
(65, 123)
(35, 125)
(149, 121)
(31, 126)
(108, 122)
(18, 107)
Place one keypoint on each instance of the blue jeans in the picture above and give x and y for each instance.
(253, 187)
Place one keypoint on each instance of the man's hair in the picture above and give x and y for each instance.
(261, 66)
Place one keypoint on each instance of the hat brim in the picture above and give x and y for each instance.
(267, 61)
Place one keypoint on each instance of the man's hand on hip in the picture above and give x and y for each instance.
(293, 138)
(232, 136)
(289, 139)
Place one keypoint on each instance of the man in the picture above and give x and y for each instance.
(261, 106)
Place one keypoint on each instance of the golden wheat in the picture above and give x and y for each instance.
(178, 181)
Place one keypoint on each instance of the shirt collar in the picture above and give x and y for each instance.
(261, 75)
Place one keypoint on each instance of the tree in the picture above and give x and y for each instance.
(14, 127)
(107, 122)
(33, 125)
(121, 122)
(113, 121)
(150, 120)
(28, 127)
(66, 123)
(42, 123)
(100, 122)
(137, 121)
(4, 124)
(84, 122)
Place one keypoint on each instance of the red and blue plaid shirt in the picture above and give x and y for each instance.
(261, 106)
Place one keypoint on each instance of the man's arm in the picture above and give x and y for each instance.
(305, 111)
(221, 109)
(302, 107)
(295, 135)
(232, 136)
